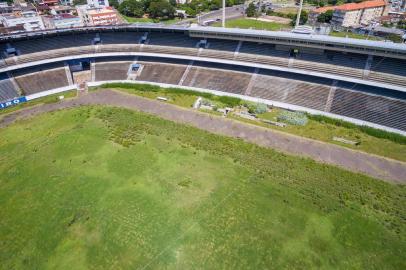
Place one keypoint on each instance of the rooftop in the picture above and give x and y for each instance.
(353, 6)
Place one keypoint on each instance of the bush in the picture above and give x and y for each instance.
(257, 108)
(294, 118)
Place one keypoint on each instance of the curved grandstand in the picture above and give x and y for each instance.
(361, 81)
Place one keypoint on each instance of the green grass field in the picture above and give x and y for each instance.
(314, 129)
(353, 35)
(254, 24)
(148, 20)
(108, 188)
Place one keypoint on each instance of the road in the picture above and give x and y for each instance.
(216, 15)
(374, 166)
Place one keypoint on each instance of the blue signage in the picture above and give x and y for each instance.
(12, 102)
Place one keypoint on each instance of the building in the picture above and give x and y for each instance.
(98, 16)
(352, 14)
(30, 20)
(62, 21)
(59, 10)
(5, 8)
(397, 5)
(49, 2)
(66, 2)
(98, 3)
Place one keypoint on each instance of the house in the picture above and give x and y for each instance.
(29, 20)
(93, 16)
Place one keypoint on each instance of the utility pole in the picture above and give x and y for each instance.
(299, 13)
(223, 23)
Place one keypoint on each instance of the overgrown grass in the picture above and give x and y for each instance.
(148, 20)
(377, 133)
(254, 24)
(318, 128)
(148, 88)
(96, 187)
(352, 35)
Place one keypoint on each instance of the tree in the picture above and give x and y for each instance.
(173, 3)
(395, 38)
(114, 3)
(132, 8)
(325, 17)
(251, 10)
(303, 18)
(161, 9)
(79, 2)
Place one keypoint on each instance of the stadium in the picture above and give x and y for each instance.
(86, 184)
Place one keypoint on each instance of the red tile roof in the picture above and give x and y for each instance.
(353, 6)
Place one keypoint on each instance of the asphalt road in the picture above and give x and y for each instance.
(231, 13)
(377, 167)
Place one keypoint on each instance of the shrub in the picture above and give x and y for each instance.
(294, 118)
(257, 108)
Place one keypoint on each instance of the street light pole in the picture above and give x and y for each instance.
(299, 13)
(224, 14)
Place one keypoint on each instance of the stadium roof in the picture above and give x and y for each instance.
(304, 37)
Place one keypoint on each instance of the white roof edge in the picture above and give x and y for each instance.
(399, 47)
(312, 37)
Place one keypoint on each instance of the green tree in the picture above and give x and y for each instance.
(114, 3)
(303, 18)
(251, 10)
(325, 17)
(173, 3)
(132, 8)
(395, 38)
(79, 2)
(161, 9)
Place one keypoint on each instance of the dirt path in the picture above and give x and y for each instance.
(378, 167)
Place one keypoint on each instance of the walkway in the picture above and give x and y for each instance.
(378, 167)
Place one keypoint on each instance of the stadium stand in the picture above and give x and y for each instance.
(376, 109)
(111, 69)
(332, 62)
(222, 45)
(36, 79)
(262, 49)
(217, 79)
(171, 39)
(388, 70)
(292, 91)
(53, 43)
(7, 89)
(161, 73)
(122, 38)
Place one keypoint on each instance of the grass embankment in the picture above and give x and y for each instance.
(254, 24)
(38, 101)
(318, 127)
(98, 188)
(149, 20)
(352, 35)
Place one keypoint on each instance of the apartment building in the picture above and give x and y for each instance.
(352, 14)
(358, 14)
